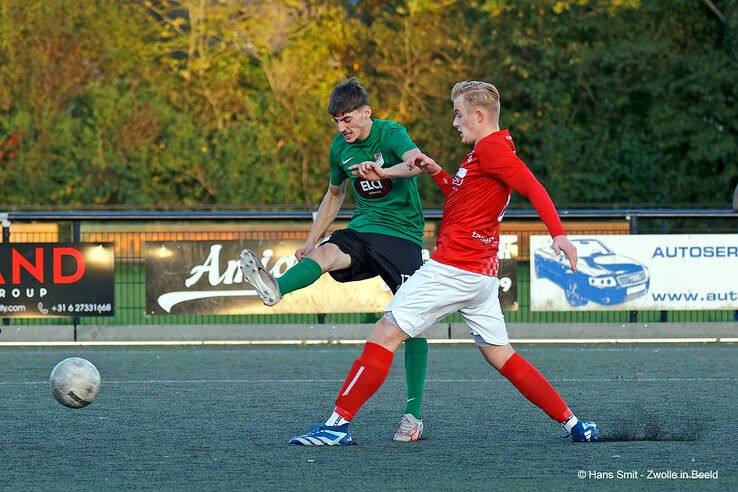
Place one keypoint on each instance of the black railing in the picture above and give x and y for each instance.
(130, 228)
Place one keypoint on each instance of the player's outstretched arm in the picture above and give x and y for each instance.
(562, 243)
(527, 185)
(373, 171)
(516, 174)
(425, 164)
(416, 163)
(327, 212)
(439, 175)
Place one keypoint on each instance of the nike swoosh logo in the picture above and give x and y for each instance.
(411, 399)
(347, 160)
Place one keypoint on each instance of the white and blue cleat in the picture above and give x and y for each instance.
(264, 283)
(324, 435)
(584, 431)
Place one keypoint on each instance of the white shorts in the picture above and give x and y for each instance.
(437, 290)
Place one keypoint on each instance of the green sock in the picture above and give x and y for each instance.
(301, 275)
(416, 362)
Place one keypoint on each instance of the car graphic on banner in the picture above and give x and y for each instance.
(602, 276)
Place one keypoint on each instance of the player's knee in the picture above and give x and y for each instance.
(387, 335)
(324, 255)
(329, 257)
(497, 355)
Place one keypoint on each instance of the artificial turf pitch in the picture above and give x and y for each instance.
(218, 418)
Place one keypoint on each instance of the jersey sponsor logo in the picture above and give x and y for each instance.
(347, 160)
(373, 188)
(484, 239)
(459, 178)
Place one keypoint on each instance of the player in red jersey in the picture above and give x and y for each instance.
(461, 273)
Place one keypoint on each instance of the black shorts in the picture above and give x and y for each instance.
(392, 258)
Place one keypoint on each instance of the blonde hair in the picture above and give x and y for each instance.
(478, 94)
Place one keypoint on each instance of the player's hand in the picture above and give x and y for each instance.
(304, 250)
(368, 170)
(424, 163)
(562, 243)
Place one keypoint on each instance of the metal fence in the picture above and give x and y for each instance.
(129, 230)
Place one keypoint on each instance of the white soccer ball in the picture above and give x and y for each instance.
(75, 382)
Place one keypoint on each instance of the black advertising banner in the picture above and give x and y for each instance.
(39, 280)
(203, 277)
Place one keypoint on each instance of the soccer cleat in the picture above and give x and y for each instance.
(324, 435)
(410, 429)
(584, 431)
(263, 281)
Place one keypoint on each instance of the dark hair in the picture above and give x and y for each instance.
(347, 96)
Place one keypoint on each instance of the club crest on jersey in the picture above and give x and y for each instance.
(459, 178)
(379, 159)
(372, 189)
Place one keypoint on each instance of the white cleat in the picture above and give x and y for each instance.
(263, 281)
(410, 429)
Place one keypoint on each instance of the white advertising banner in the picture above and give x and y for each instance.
(637, 272)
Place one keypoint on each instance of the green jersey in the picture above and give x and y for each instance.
(387, 206)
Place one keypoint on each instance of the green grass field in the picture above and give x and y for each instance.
(218, 418)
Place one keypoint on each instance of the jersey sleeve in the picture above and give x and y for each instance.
(397, 139)
(338, 175)
(443, 180)
(498, 160)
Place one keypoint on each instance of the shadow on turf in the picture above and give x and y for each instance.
(651, 432)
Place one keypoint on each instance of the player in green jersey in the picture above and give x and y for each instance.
(384, 236)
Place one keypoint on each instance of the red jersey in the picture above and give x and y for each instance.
(477, 197)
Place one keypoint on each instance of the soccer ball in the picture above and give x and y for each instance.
(75, 382)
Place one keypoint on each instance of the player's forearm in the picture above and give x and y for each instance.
(401, 170)
(548, 214)
(326, 214)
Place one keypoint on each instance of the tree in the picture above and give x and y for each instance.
(207, 102)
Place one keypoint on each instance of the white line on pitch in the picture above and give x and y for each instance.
(133, 343)
(320, 381)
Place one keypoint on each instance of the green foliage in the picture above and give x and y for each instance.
(185, 102)
(615, 108)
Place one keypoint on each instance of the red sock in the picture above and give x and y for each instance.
(364, 379)
(535, 387)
